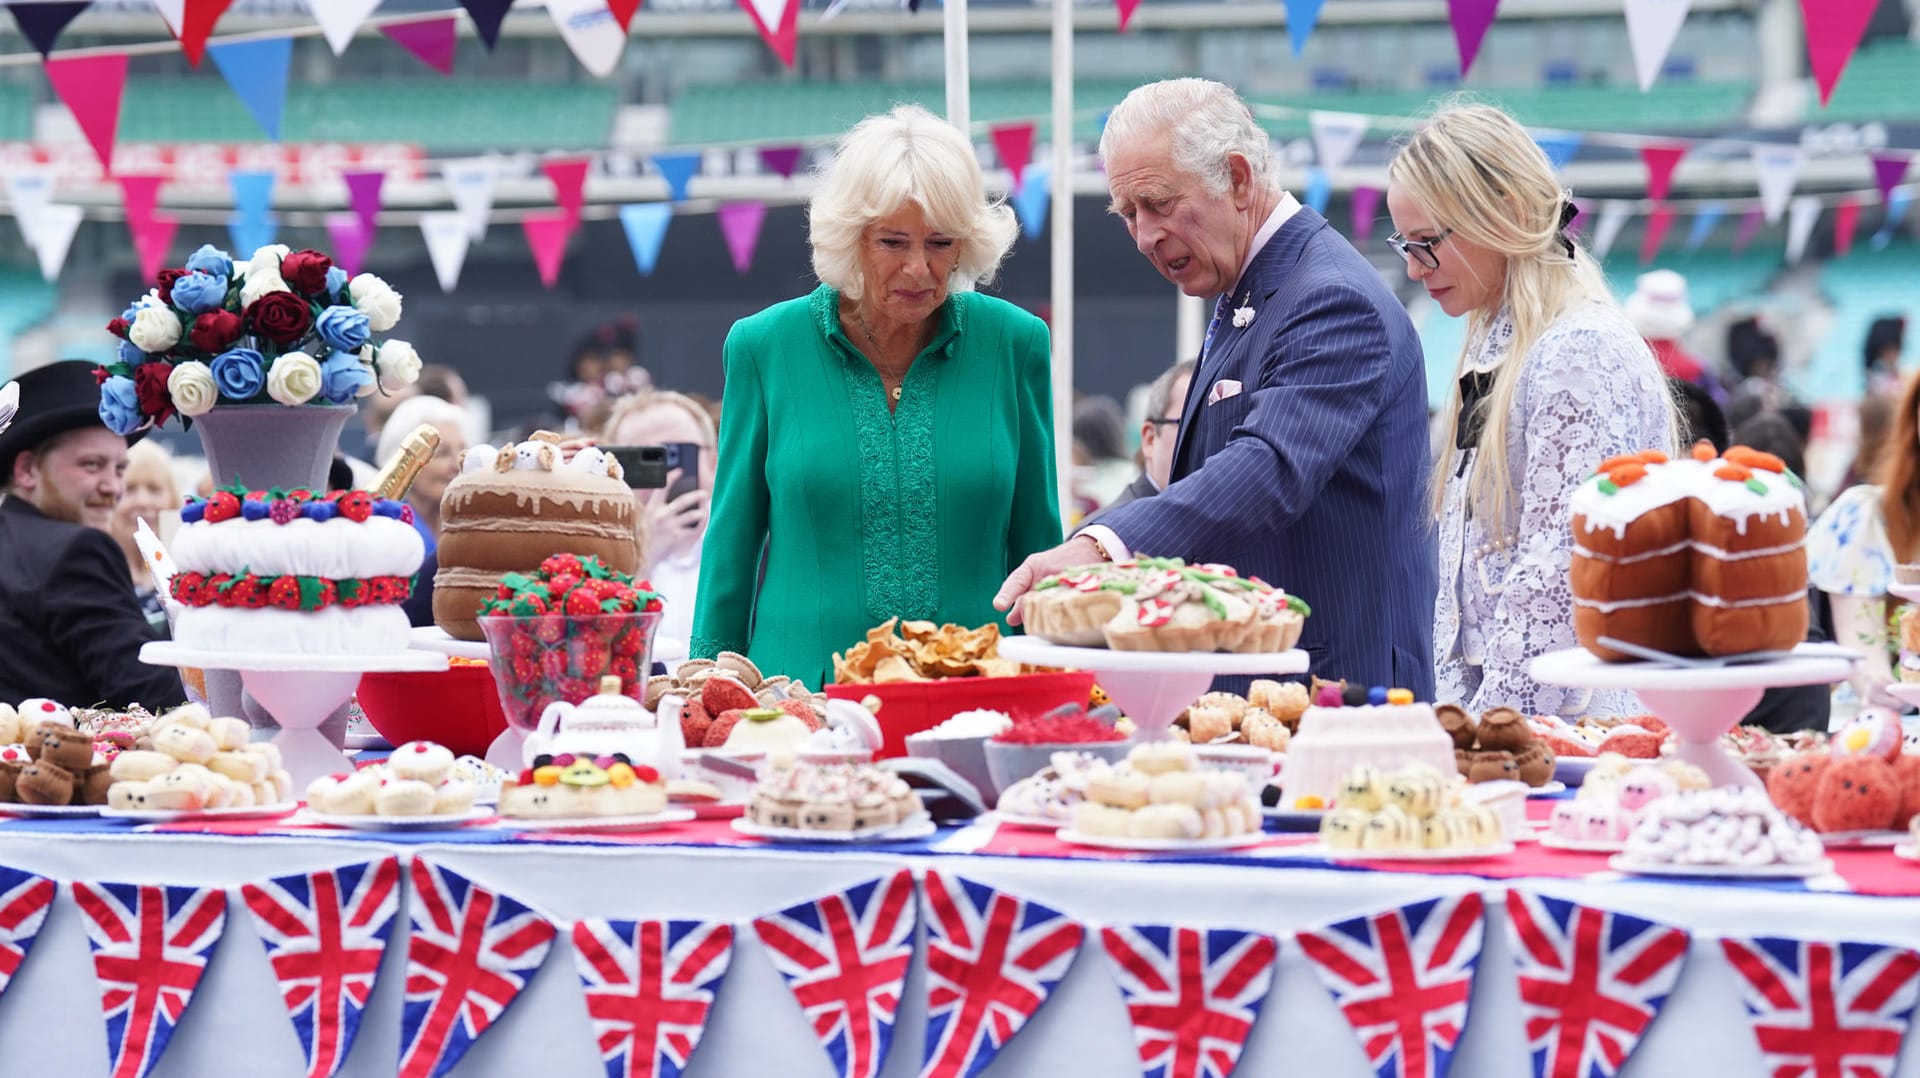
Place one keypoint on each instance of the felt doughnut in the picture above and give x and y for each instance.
(140, 765)
(404, 797)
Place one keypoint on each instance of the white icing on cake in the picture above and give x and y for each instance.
(1678, 480)
(335, 630)
(1332, 741)
(338, 549)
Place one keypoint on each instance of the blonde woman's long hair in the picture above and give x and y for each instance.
(1475, 170)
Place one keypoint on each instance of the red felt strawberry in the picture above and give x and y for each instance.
(283, 511)
(550, 629)
(188, 587)
(357, 506)
(284, 593)
(722, 728)
(553, 664)
(588, 658)
(627, 643)
(581, 603)
(247, 593)
(222, 506)
(328, 596)
(627, 670)
(390, 589)
(576, 688)
(562, 565)
(300, 497)
(694, 721)
(654, 606)
(645, 774)
(722, 694)
(801, 710)
(525, 671)
(525, 645)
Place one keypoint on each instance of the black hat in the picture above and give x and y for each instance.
(54, 399)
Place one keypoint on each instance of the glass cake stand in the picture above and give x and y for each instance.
(1699, 703)
(1152, 687)
(299, 691)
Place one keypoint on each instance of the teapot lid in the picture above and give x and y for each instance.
(610, 699)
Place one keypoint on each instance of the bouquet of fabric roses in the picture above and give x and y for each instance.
(285, 326)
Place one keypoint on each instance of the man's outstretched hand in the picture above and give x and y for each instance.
(1078, 550)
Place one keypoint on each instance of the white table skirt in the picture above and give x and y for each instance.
(50, 1024)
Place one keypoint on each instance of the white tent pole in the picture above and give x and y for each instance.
(959, 97)
(1062, 179)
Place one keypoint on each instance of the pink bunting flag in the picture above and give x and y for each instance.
(363, 194)
(432, 41)
(781, 159)
(569, 176)
(1470, 19)
(139, 195)
(1014, 144)
(151, 239)
(1126, 9)
(1658, 222)
(351, 238)
(1834, 30)
(1846, 218)
(90, 87)
(1888, 170)
(1750, 223)
(740, 222)
(547, 234)
(1661, 158)
(196, 25)
(1366, 203)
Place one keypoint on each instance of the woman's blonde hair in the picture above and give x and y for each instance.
(1473, 169)
(144, 456)
(634, 403)
(887, 161)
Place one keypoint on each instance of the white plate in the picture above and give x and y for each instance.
(1906, 852)
(1554, 786)
(1161, 845)
(397, 823)
(1420, 855)
(1582, 845)
(49, 812)
(1031, 823)
(919, 827)
(249, 812)
(1622, 863)
(1861, 840)
(642, 822)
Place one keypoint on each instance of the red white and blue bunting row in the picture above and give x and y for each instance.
(1591, 981)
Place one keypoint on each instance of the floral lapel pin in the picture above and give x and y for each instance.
(1243, 314)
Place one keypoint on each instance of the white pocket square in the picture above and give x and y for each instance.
(1224, 388)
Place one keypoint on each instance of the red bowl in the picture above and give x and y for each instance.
(459, 707)
(908, 707)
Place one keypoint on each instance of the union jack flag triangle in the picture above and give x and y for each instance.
(1192, 994)
(24, 899)
(1404, 979)
(325, 933)
(844, 957)
(1826, 1010)
(992, 960)
(150, 946)
(649, 987)
(1591, 982)
(471, 952)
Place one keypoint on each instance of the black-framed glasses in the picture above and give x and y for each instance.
(1165, 422)
(1421, 251)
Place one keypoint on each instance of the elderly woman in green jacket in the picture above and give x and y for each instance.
(887, 439)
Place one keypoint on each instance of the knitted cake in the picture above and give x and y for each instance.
(1164, 604)
(1379, 727)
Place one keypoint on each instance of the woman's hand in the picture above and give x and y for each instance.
(675, 527)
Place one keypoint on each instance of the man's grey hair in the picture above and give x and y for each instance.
(1204, 120)
(1160, 393)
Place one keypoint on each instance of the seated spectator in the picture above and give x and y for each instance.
(153, 497)
(674, 529)
(1166, 398)
(1886, 340)
(1099, 434)
(1662, 314)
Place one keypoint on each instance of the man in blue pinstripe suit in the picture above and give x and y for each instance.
(1302, 453)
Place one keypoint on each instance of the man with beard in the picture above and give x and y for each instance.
(71, 625)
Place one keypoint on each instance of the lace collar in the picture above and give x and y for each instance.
(1487, 353)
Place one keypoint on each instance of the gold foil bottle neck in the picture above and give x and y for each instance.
(415, 452)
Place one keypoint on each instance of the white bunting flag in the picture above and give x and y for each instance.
(447, 241)
(1803, 215)
(471, 181)
(1336, 135)
(1613, 217)
(1775, 168)
(29, 190)
(174, 11)
(340, 19)
(590, 30)
(1652, 26)
(54, 236)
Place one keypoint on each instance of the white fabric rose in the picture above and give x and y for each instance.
(192, 388)
(377, 300)
(259, 284)
(294, 379)
(155, 330)
(399, 366)
(267, 259)
(367, 353)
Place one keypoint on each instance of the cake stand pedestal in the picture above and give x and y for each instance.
(1699, 703)
(1152, 687)
(299, 691)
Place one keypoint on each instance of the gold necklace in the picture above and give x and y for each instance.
(880, 354)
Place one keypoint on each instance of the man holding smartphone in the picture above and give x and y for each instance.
(676, 512)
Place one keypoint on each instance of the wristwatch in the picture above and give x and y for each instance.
(1098, 547)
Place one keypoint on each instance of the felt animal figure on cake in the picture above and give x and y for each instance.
(479, 458)
(610, 724)
(43, 783)
(1856, 793)
(539, 453)
(596, 461)
(1642, 787)
(1875, 731)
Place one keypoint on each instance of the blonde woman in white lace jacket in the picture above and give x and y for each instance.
(1553, 380)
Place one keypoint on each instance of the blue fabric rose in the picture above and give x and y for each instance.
(240, 373)
(342, 377)
(131, 312)
(131, 355)
(199, 292)
(211, 259)
(343, 328)
(120, 406)
(336, 281)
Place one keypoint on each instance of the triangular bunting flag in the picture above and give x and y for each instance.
(993, 958)
(363, 194)
(1846, 218)
(41, 24)
(678, 169)
(1031, 201)
(1470, 20)
(447, 242)
(151, 240)
(650, 986)
(1896, 209)
(257, 71)
(1591, 982)
(252, 192)
(1750, 223)
(1834, 29)
(1775, 167)
(53, 238)
(196, 25)
(1822, 1009)
(24, 897)
(1403, 978)
(139, 195)
(1888, 170)
(569, 176)
(1613, 217)
(1661, 159)
(351, 238)
(1802, 215)
(547, 235)
(1302, 15)
(783, 160)
(740, 223)
(487, 15)
(646, 227)
(1319, 189)
(250, 233)
(1366, 203)
(90, 87)
(150, 946)
(778, 22)
(470, 182)
(1652, 26)
(1658, 222)
(325, 933)
(174, 12)
(1126, 9)
(1559, 146)
(591, 31)
(471, 952)
(1014, 144)
(1705, 219)
(844, 957)
(1192, 994)
(1336, 135)
(29, 192)
(432, 41)
(340, 19)
(623, 12)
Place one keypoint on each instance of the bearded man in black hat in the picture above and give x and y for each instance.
(70, 627)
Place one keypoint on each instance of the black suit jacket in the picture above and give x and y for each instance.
(70, 627)
(1141, 487)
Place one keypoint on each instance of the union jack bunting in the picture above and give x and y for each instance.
(471, 952)
(992, 960)
(150, 946)
(1826, 1010)
(844, 957)
(649, 987)
(1403, 978)
(1591, 981)
(24, 898)
(1192, 994)
(325, 933)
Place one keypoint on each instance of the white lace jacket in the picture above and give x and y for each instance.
(1590, 390)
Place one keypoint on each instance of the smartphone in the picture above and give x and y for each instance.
(686, 457)
(645, 465)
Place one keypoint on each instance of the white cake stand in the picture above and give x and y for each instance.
(435, 639)
(299, 691)
(1699, 704)
(1152, 687)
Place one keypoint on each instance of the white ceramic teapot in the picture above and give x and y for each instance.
(610, 724)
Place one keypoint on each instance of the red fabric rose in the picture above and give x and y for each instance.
(150, 382)
(118, 327)
(166, 279)
(306, 271)
(280, 317)
(213, 331)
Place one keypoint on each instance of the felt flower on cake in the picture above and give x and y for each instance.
(193, 388)
(377, 300)
(211, 259)
(120, 405)
(154, 329)
(294, 379)
(240, 374)
(344, 329)
(343, 378)
(259, 285)
(198, 293)
(399, 365)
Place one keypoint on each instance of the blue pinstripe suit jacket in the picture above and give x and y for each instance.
(1313, 477)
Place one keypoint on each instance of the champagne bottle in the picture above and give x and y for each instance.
(415, 452)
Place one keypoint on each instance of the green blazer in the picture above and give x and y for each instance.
(865, 515)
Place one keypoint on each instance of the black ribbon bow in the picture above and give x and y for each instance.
(1474, 389)
(1567, 213)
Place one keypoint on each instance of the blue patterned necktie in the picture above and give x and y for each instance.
(1219, 308)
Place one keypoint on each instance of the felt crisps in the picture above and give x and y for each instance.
(922, 651)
